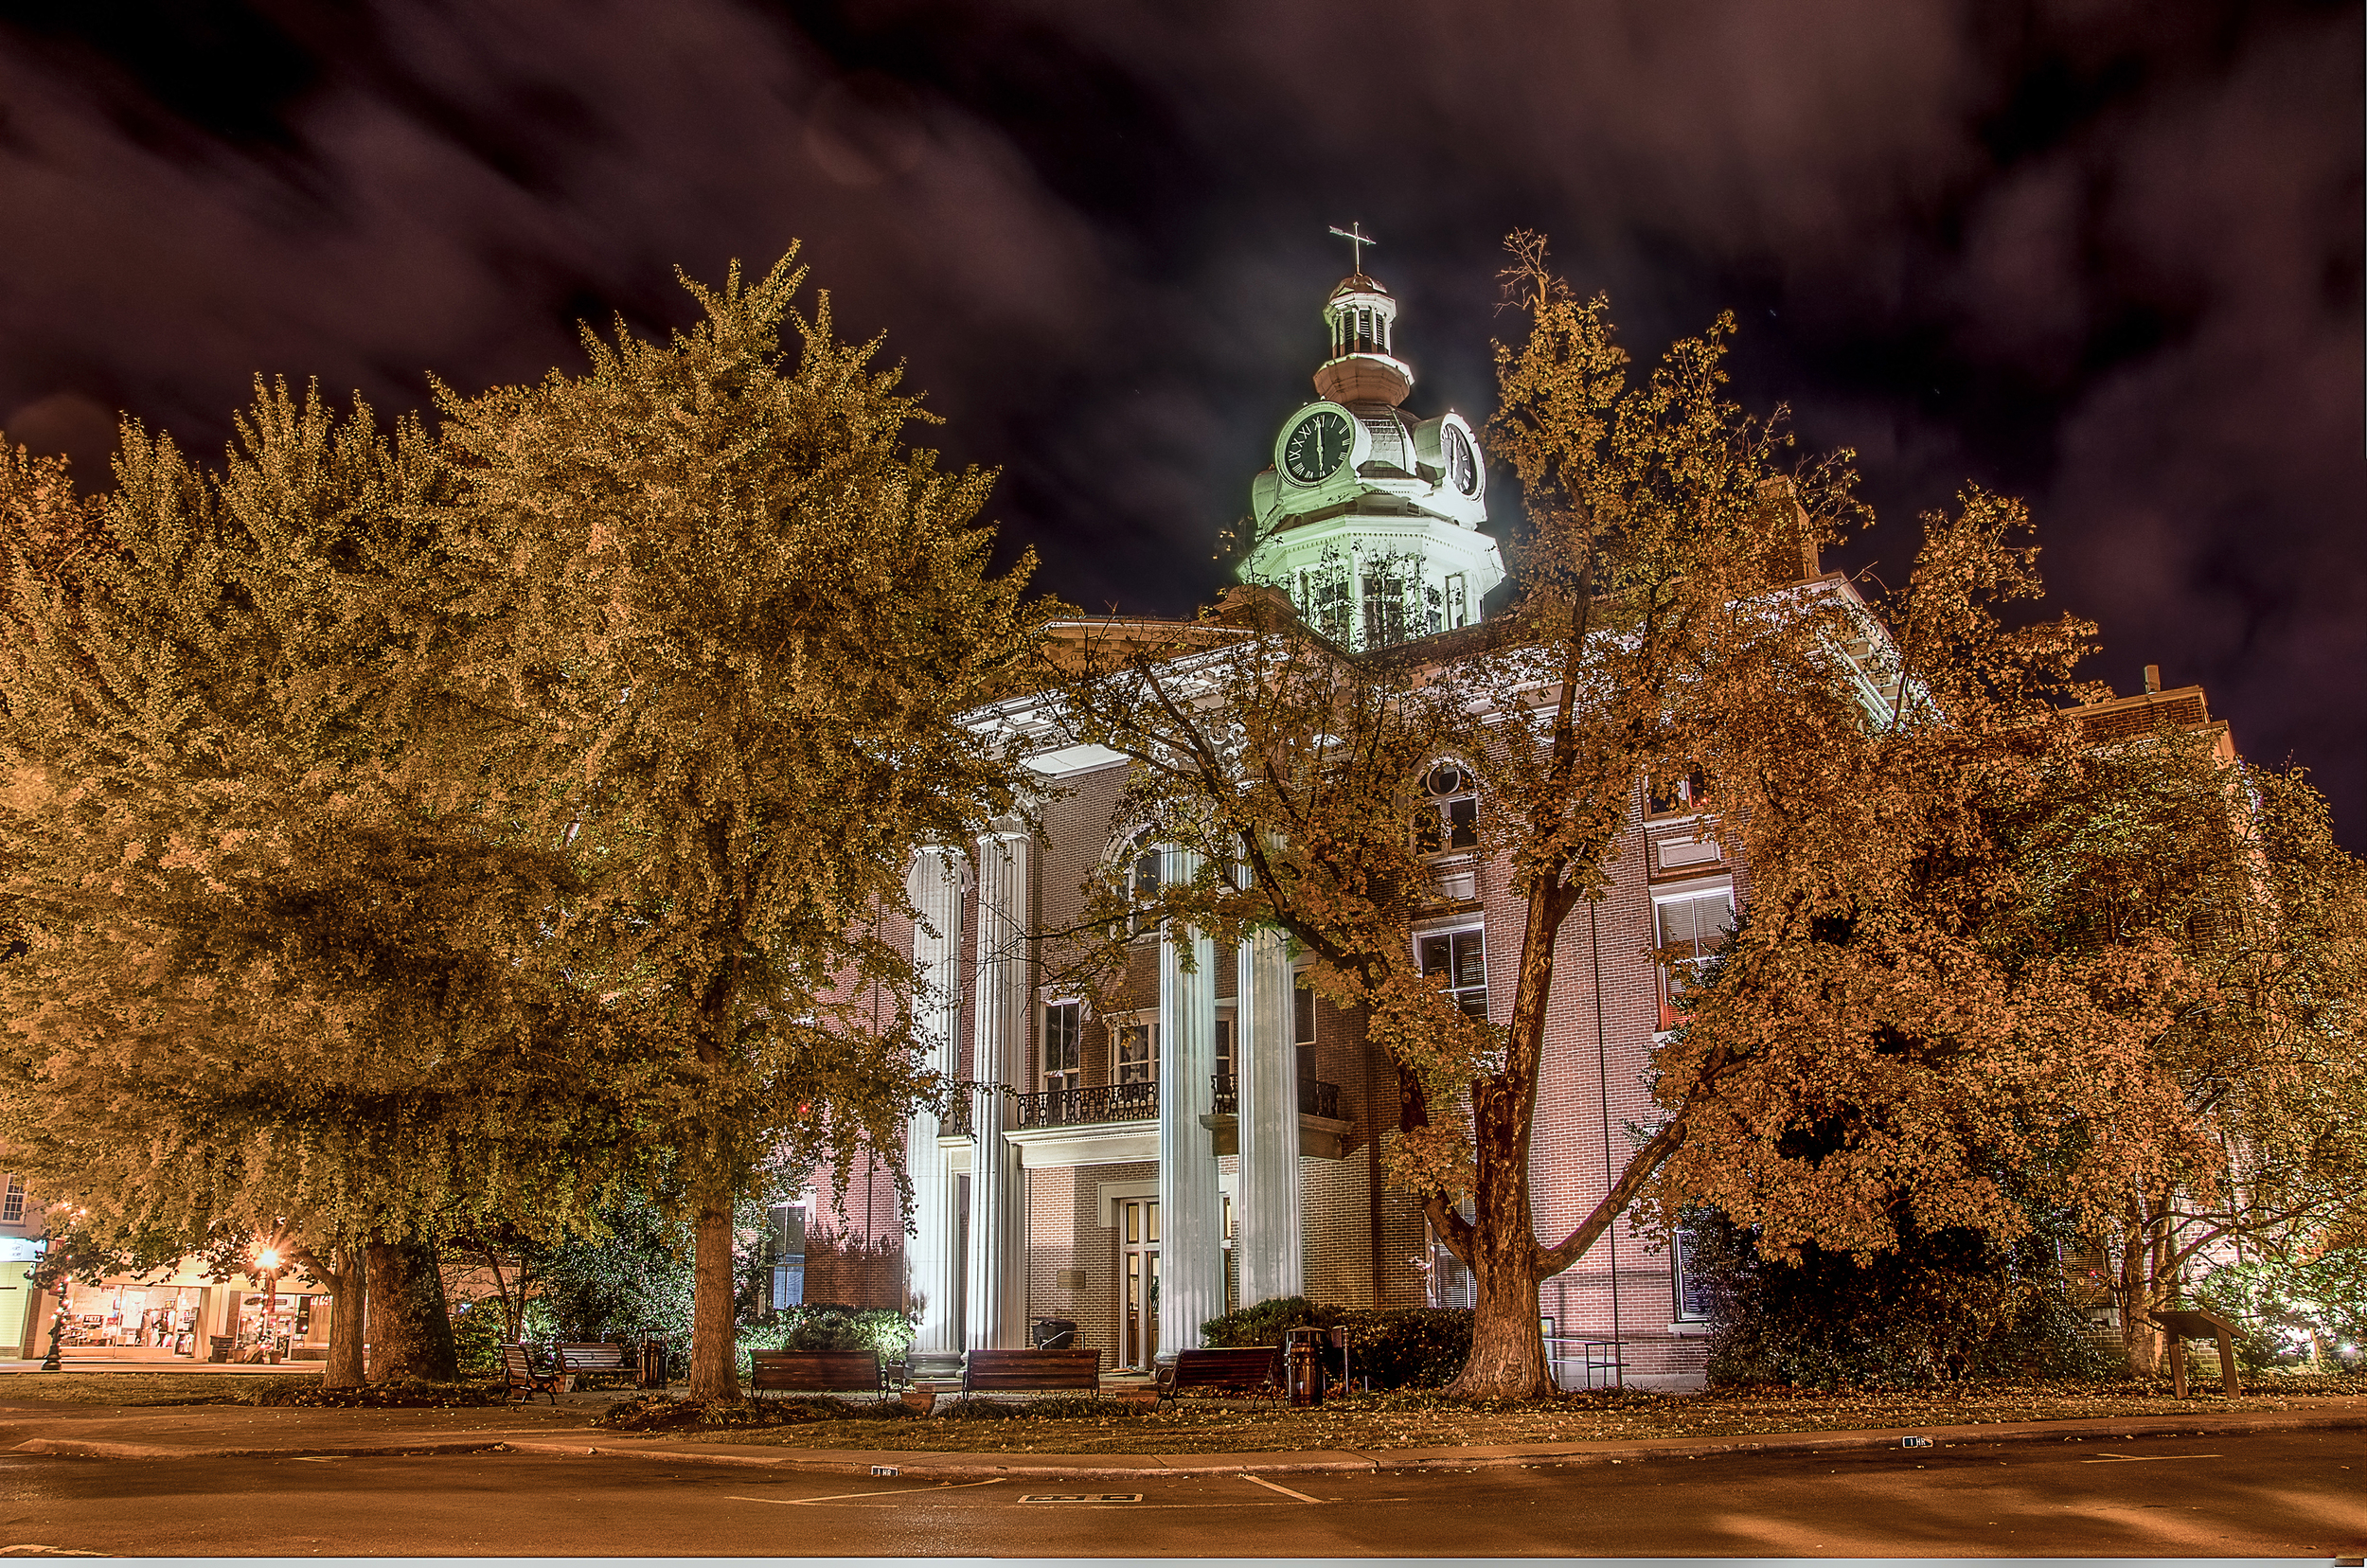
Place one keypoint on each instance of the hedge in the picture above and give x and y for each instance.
(1395, 1346)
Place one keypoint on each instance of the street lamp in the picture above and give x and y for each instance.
(268, 1259)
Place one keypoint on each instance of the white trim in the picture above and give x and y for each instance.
(1109, 1195)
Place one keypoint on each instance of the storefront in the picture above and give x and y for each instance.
(187, 1317)
(161, 1319)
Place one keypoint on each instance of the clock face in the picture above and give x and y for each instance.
(1462, 462)
(1317, 446)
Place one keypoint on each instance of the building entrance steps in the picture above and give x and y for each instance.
(221, 1431)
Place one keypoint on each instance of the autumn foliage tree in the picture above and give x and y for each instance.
(741, 613)
(1664, 634)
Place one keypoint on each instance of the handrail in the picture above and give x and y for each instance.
(1316, 1097)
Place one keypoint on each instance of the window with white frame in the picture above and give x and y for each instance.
(1133, 1052)
(1142, 883)
(1675, 796)
(1460, 958)
(12, 1205)
(1063, 1044)
(1692, 925)
(1224, 1047)
(1692, 1292)
(1448, 819)
(788, 1239)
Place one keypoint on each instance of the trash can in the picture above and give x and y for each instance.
(1304, 1365)
(652, 1364)
(1056, 1334)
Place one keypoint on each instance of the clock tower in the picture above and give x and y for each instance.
(1369, 518)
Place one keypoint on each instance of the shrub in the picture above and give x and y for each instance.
(477, 1334)
(822, 1325)
(1941, 1307)
(1395, 1346)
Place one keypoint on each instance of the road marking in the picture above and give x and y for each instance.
(1283, 1491)
(841, 1496)
(2145, 1458)
(1082, 1497)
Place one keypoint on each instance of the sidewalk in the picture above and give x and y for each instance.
(227, 1430)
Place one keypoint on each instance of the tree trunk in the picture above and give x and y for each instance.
(1507, 1359)
(348, 1304)
(410, 1329)
(714, 1329)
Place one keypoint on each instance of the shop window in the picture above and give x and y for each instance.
(1063, 1045)
(1460, 958)
(1693, 926)
(1448, 818)
(1133, 1053)
(12, 1204)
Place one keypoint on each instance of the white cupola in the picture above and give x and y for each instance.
(1371, 519)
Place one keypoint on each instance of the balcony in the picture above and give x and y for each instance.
(1110, 1102)
(1316, 1097)
(1324, 1134)
(957, 1121)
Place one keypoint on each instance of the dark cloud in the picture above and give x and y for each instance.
(2105, 256)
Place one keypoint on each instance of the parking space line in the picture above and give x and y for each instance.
(1283, 1491)
(841, 1496)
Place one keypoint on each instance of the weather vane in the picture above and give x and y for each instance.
(1354, 234)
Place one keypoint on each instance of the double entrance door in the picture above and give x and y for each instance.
(1138, 1280)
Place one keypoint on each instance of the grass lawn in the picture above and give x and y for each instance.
(149, 1388)
(1418, 1421)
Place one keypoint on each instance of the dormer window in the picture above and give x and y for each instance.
(1449, 817)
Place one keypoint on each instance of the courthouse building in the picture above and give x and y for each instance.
(1215, 1138)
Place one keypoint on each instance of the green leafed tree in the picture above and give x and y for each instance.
(272, 984)
(2165, 850)
(744, 613)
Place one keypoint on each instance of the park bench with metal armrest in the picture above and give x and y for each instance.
(521, 1382)
(814, 1372)
(1031, 1371)
(1253, 1372)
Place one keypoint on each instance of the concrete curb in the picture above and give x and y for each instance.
(962, 1467)
(95, 1448)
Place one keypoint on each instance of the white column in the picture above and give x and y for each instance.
(1191, 1212)
(1266, 1193)
(996, 1318)
(932, 1269)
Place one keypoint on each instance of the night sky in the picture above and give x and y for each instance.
(2103, 255)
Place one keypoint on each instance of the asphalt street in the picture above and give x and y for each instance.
(2269, 1494)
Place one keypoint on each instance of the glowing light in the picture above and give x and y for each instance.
(268, 1258)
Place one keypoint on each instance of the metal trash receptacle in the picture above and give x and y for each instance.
(1303, 1365)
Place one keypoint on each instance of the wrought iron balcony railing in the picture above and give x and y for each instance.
(956, 1122)
(1110, 1102)
(1316, 1097)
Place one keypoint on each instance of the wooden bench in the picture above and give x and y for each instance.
(1253, 1372)
(814, 1372)
(599, 1360)
(1031, 1371)
(522, 1381)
